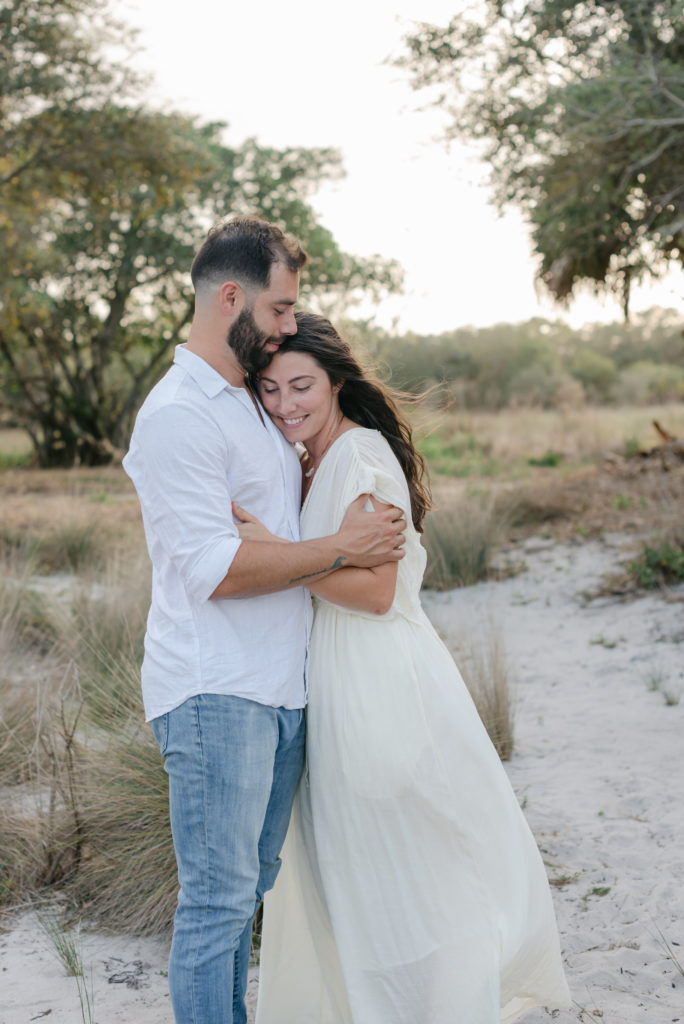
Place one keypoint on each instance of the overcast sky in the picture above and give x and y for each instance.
(312, 73)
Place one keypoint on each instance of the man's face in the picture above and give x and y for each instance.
(263, 323)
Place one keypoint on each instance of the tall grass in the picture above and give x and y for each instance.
(486, 673)
(66, 547)
(83, 804)
(461, 542)
(128, 878)
(67, 948)
(104, 637)
(499, 444)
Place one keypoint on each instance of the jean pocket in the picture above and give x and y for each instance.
(160, 728)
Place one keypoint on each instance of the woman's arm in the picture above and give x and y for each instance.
(361, 590)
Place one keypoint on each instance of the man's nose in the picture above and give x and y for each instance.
(288, 324)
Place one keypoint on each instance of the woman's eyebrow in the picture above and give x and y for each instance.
(302, 376)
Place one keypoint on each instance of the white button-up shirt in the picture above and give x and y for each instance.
(199, 444)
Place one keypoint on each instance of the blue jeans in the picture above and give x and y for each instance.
(233, 768)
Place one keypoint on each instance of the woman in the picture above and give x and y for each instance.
(411, 889)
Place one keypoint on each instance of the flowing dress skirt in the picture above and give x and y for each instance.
(411, 889)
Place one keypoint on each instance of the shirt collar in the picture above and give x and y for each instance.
(205, 376)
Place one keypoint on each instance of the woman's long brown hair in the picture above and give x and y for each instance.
(364, 400)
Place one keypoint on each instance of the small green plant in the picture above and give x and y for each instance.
(598, 890)
(655, 679)
(549, 458)
(603, 641)
(560, 881)
(67, 947)
(631, 447)
(64, 944)
(659, 565)
(622, 502)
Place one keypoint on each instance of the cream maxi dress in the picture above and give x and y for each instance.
(411, 891)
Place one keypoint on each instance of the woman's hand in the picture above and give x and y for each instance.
(251, 528)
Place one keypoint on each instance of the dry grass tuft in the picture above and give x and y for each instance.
(128, 876)
(480, 654)
(486, 673)
(461, 542)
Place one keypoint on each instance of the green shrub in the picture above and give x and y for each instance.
(461, 455)
(659, 564)
(549, 458)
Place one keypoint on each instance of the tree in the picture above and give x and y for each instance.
(579, 107)
(52, 78)
(102, 205)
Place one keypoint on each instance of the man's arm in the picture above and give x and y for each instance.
(363, 590)
(365, 539)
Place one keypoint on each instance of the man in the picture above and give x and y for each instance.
(224, 668)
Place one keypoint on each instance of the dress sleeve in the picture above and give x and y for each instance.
(373, 469)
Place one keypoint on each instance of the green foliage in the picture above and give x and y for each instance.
(537, 364)
(595, 372)
(631, 447)
(13, 460)
(647, 382)
(549, 459)
(460, 455)
(102, 205)
(660, 564)
(580, 107)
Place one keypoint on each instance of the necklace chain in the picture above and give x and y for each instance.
(310, 472)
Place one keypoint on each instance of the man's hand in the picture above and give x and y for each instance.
(369, 538)
(251, 528)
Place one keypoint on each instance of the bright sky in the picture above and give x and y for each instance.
(314, 73)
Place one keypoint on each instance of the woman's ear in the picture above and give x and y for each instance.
(337, 386)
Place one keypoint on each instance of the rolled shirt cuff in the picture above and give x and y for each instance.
(211, 568)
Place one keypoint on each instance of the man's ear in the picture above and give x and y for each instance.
(231, 298)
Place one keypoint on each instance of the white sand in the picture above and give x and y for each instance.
(598, 766)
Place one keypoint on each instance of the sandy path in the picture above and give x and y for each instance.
(599, 768)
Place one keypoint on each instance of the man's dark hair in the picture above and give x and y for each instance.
(244, 249)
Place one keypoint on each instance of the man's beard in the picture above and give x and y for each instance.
(249, 343)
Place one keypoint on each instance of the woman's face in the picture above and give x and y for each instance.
(299, 396)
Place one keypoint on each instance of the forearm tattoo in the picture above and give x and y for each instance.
(337, 564)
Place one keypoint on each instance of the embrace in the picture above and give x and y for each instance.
(283, 499)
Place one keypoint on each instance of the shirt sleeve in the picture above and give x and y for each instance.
(180, 469)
